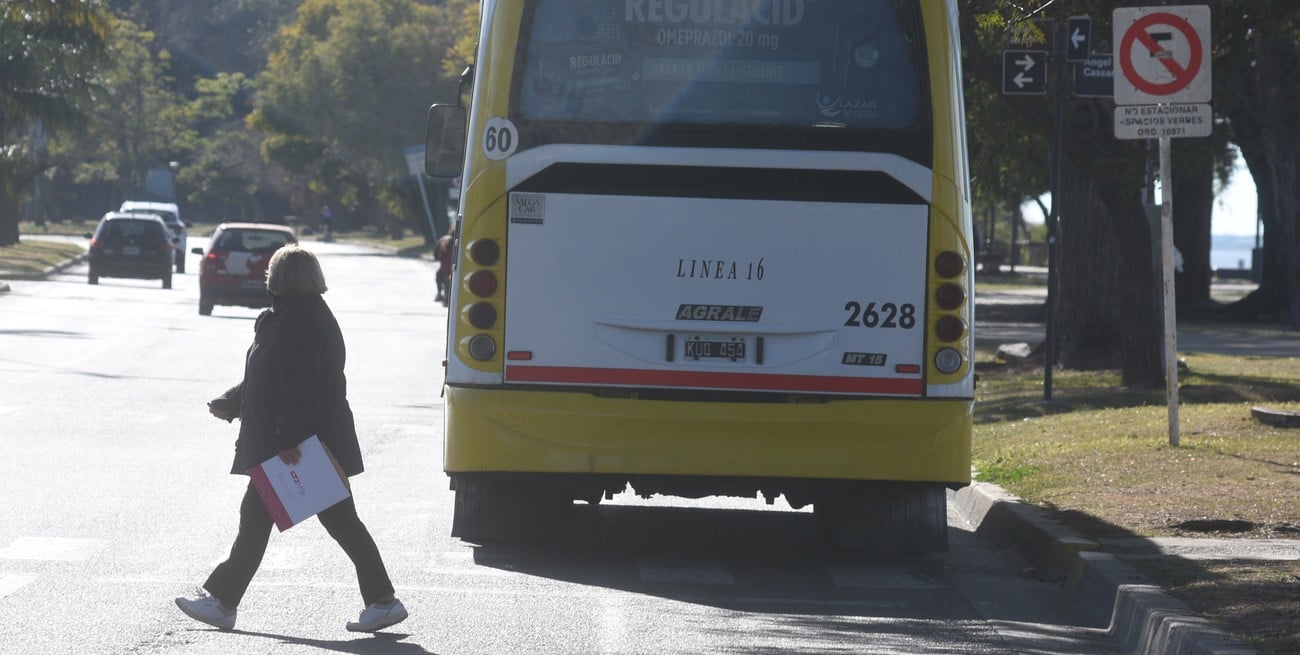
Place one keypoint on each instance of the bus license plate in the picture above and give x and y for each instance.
(730, 349)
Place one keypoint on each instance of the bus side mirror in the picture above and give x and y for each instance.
(444, 141)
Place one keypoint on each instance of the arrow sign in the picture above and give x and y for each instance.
(1078, 38)
(1024, 72)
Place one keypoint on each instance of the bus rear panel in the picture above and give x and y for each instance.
(714, 247)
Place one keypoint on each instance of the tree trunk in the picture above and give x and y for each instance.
(1267, 129)
(1193, 206)
(1109, 312)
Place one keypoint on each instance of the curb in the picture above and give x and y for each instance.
(1143, 619)
(50, 270)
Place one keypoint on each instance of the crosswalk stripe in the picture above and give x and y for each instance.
(50, 549)
(10, 583)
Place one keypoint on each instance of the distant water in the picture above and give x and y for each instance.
(1230, 251)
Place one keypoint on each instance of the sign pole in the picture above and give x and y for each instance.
(1167, 268)
(1053, 218)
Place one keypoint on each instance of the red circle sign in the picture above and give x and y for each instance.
(1183, 76)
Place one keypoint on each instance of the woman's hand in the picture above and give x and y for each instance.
(217, 411)
(290, 456)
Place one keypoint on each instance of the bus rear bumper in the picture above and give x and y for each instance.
(585, 436)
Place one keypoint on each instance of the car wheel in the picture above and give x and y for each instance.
(205, 305)
(167, 280)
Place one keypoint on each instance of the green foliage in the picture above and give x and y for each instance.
(135, 120)
(345, 91)
(49, 53)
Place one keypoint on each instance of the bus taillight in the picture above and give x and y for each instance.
(947, 360)
(949, 328)
(949, 264)
(482, 283)
(484, 252)
(949, 296)
(481, 315)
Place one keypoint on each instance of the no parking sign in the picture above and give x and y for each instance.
(1162, 55)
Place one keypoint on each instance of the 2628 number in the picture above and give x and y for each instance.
(888, 315)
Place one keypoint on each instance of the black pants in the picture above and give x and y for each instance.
(230, 579)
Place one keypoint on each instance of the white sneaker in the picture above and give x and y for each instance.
(378, 616)
(209, 610)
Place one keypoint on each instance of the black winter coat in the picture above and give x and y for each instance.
(293, 386)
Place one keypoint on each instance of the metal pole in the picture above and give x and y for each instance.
(1167, 266)
(424, 197)
(1049, 348)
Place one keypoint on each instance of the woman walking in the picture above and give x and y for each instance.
(293, 388)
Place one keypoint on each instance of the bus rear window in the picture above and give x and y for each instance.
(789, 63)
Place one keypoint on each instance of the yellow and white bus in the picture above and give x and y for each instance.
(711, 247)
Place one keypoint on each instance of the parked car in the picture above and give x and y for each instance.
(131, 245)
(233, 270)
(171, 215)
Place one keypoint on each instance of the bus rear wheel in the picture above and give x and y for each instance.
(502, 507)
(903, 517)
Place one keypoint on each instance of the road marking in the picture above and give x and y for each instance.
(685, 571)
(50, 549)
(8, 410)
(13, 582)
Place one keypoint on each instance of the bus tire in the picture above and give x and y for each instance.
(497, 507)
(887, 518)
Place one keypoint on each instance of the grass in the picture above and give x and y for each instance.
(29, 258)
(1098, 455)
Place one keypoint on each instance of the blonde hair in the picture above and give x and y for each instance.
(294, 271)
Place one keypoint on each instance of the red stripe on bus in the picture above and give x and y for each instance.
(758, 381)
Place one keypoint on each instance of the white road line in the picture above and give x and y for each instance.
(685, 571)
(50, 549)
(12, 582)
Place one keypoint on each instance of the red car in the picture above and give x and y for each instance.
(233, 271)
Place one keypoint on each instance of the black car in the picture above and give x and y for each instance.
(131, 245)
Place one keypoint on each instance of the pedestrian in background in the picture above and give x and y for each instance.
(293, 388)
(327, 222)
(445, 253)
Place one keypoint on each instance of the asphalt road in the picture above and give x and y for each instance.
(117, 499)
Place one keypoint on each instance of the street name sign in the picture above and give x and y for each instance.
(1162, 55)
(1024, 72)
(1094, 77)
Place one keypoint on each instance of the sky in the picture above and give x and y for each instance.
(1235, 206)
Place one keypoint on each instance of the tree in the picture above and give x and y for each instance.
(344, 93)
(49, 51)
(1109, 305)
(226, 167)
(134, 120)
(1258, 48)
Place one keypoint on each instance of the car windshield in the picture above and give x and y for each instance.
(130, 229)
(252, 240)
(168, 217)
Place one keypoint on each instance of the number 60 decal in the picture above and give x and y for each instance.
(500, 138)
